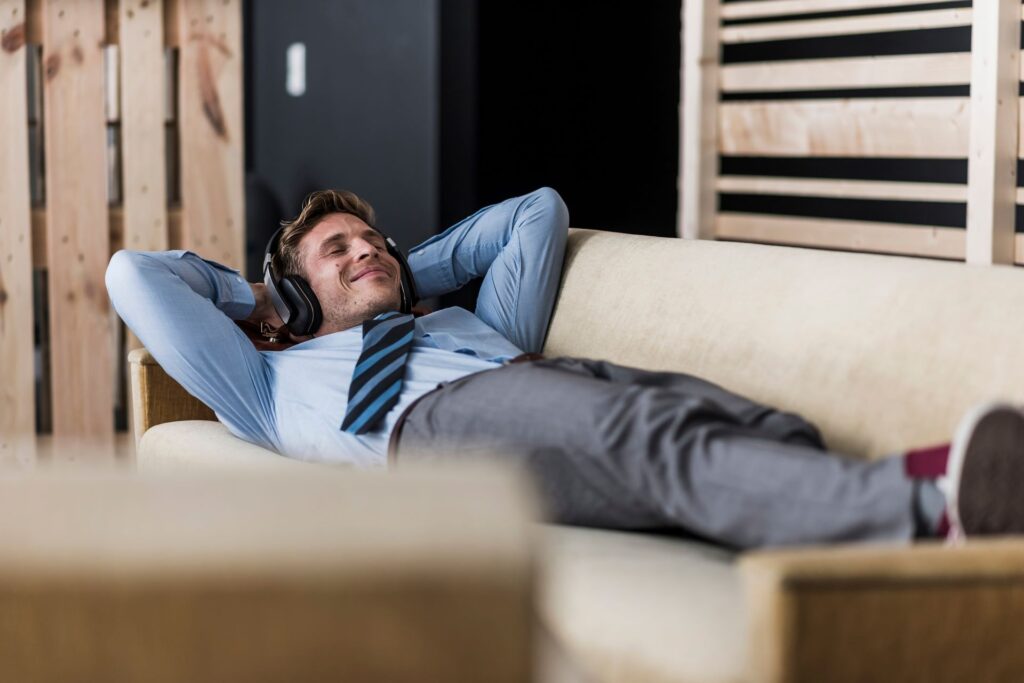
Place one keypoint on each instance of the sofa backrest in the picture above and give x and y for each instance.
(881, 352)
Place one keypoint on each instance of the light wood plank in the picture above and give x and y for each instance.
(854, 72)
(210, 125)
(698, 120)
(886, 238)
(897, 127)
(777, 8)
(17, 377)
(879, 23)
(844, 189)
(78, 244)
(142, 125)
(143, 154)
(995, 124)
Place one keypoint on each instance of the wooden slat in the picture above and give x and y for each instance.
(34, 21)
(854, 72)
(845, 189)
(887, 238)
(896, 127)
(116, 214)
(698, 120)
(210, 87)
(812, 28)
(778, 8)
(17, 377)
(142, 125)
(78, 245)
(995, 125)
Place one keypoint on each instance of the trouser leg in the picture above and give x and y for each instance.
(788, 427)
(633, 455)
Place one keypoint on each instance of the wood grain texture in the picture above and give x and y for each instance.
(848, 72)
(995, 125)
(777, 8)
(884, 238)
(893, 127)
(142, 125)
(844, 189)
(17, 376)
(78, 244)
(878, 23)
(699, 120)
(210, 125)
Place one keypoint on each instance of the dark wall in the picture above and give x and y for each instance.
(433, 108)
(367, 122)
(582, 95)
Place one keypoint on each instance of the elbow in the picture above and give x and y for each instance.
(548, 211)
(122, 272)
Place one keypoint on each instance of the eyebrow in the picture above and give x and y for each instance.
(338, 237)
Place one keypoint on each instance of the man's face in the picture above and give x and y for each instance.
(350, 270)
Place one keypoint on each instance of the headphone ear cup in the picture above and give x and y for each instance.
(409, 294)
(300, 297)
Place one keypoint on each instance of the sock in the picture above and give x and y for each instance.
(927, 467)
(927, 463)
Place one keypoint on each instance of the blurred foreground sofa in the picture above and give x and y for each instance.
(882, 353)
(237, 576)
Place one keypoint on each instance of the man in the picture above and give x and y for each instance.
(610, 446)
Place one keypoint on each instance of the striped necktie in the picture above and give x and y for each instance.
(377, 379)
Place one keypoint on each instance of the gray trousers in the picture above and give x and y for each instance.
(622, 448)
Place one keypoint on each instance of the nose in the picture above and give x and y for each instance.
(364, 249)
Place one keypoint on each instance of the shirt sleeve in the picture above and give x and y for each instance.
(181, 307)
(517, 246)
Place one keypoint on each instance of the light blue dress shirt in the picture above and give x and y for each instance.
(293, 401)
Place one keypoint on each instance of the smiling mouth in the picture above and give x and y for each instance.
(370, 272)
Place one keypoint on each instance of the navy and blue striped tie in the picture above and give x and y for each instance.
(377, 379)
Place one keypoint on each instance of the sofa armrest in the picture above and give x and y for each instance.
(913, 613)
(156, 398)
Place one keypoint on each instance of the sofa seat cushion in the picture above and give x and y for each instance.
(639, 607)
(203, 444)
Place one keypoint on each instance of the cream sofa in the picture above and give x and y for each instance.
(881, 352)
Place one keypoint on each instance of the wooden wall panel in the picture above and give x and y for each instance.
(760, 9)
(698, 156)
(894, 127)
(995, 122)
(143, 149)
(799, 75)
(212, 139)
(78, 243)
(877, 23)
(888, 238)
(17, 376)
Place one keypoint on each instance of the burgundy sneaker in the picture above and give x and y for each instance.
(986, 471)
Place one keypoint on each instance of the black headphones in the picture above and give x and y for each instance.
(295, 301)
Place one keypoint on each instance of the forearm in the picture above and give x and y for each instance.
(517, 246)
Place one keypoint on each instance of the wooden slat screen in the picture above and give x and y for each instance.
(17, 407)
(866, 125)
(106, 116)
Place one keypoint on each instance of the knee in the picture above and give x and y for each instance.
(545, 212)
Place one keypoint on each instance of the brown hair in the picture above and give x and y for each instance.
(288, 259)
